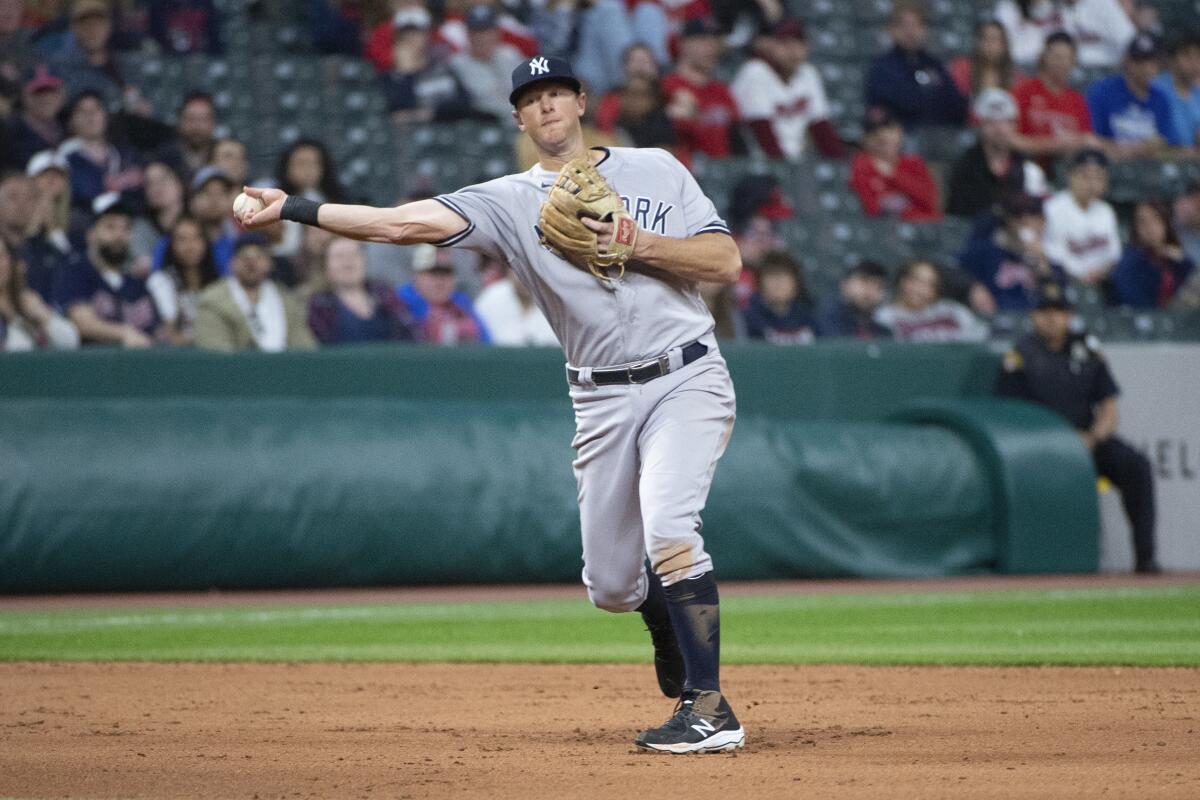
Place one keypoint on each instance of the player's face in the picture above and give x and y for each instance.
(1051, 324)
(550, 113)
(345, 265)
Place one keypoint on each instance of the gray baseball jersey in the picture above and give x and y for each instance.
(633, 319)
(645, 453)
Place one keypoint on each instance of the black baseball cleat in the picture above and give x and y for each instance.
(668, 661)
(703, 723)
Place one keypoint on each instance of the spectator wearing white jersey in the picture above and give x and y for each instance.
(781, 96)
(1081, 228)
(920, 314)
(511, 317)
(1101, 28)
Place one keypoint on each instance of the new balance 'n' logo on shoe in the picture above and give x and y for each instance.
(703, 723)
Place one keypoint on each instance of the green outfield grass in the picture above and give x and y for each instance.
(1153, 626)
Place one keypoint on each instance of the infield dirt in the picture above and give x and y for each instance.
(561, 731)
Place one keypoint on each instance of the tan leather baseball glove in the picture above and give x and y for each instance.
(581, 191)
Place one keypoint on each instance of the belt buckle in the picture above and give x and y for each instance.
(662, 362)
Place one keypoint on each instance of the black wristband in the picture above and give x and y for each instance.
(300, 209)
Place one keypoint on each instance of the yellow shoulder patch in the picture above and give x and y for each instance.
(1013, 361)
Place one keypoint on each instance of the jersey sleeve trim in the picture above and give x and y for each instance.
(716, 226)
(464, 233)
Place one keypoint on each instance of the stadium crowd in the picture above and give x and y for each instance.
(116, 216)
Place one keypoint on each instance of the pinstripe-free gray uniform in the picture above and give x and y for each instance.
(645, 453)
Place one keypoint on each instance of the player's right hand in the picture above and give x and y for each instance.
(272, 200)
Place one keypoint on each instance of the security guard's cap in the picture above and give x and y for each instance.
(1050, 294)
(542, 68)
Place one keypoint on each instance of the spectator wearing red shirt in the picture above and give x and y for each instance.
(638, 62)
(887, 181)
(700, 107)
(1053, 118)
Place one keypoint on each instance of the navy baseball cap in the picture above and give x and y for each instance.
(1050, 294)
(482, 18)
(1089, 155)
(542, 68)
(1144, 46)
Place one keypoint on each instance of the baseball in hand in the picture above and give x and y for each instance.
(244, 204)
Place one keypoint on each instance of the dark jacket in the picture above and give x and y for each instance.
(915, 87)
(973, 188)
(1137, 280)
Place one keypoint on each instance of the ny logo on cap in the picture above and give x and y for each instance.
(539, 66)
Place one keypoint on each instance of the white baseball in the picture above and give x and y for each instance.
(244, 204)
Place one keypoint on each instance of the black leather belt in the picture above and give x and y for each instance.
(644, 372)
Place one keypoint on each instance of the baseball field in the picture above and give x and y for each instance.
(987, 687)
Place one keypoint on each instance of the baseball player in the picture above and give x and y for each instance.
(611, 243)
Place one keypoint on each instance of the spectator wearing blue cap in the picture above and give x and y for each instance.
(1181, 84)
(1081, 228)
(249, 311)
(485, 67)
(106, 303)
(1128, 110)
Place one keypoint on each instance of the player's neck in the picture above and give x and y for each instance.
(555, 161)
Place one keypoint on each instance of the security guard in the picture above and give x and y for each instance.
(1066, 372)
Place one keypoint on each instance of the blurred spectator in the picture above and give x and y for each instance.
(1054, 118)
(229, 156)
(781, 311)
(17, 54)
(306, 168)
(192, 146)
(1102, 28)
(485, 68)
(308, 265)
(188, 268)
(86, 62)
(1128, 110)
(49, 227)
(602, 33)
(419, 88)
(637, 64)
(1154, 266)
(744, 20)
(781, 97)
(722, 302)
(37, 126)
(511, 317)
(852, 313)
(1081, 228)
(919, 314)
(888, 182)
(991, 168)
(210, 202)
(910, 82)
(337, 26)
(349, 308)
(756, 204)
(17, 196)
(1067, 373)
(1009, 261)
(26, 322)
(1181, 84)
(989, 65)
(249, 311)
(107, 304)
(164, 204)
(186, 26)
(453, 32)
(640, 115)
(441, 314)
(699, 105)
(1187, 221)
(97, 166)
